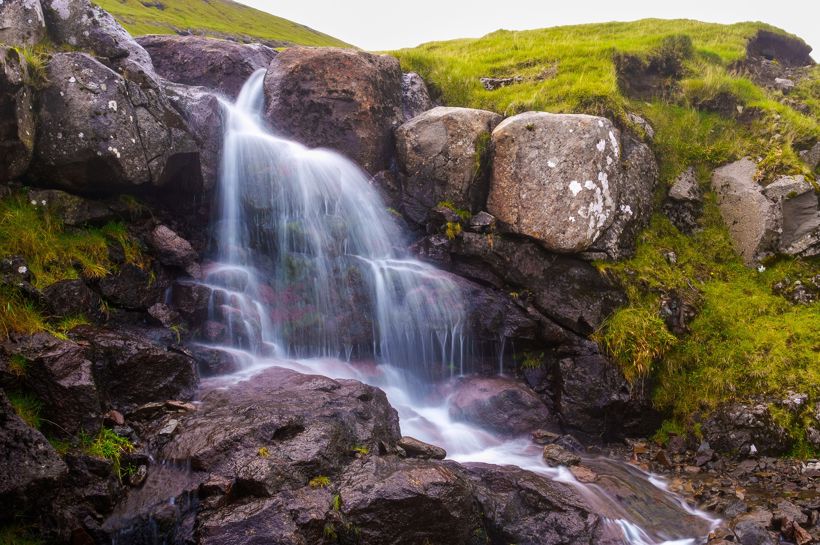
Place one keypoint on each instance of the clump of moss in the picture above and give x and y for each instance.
(320, 481)
(107, 445)
(27, 407)
(532, 360)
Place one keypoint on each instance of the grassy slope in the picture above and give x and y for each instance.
(746, 341)
(213, 17)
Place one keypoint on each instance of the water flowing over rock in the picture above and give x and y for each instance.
(346, 100)
(556, 178)
(218, 65)
(102, 133)
(17, 124)
(443, 154)
(22, 22)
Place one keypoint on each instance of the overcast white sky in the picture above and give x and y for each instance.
(391, 24)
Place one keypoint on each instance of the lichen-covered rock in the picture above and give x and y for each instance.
(31, 467)
(219, 65)
(61, 375)
(173, 250)
(21, 22)
(68, 298)
(749, 215)
(342, 99)
(556, 178)
(442, 153)
(415, 98)
(746, 429)
(81, 24)
(72, 210)
(17, 123)
(638, 181)
(102, 133)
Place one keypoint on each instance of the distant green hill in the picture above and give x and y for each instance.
(222, 18)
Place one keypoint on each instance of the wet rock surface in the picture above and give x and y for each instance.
(17, 123)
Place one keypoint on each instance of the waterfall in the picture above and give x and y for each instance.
(310, 262)
(310, 273)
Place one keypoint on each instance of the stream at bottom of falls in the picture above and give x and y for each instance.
(637, 506)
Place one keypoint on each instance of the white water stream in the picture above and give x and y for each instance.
(310, 268)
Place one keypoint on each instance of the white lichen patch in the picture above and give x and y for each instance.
(112, 105)
(551, 164)
(614, 142)
(589, 185)
(608, 160)
(601, 144)
(574, 187)
(115, 151)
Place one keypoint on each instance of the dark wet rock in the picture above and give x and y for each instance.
(14, 271)
(525, 508)
(391, 501)
(72, 298)
(173, 250)
(132, 369)
(191, 300)
(165, 315)
(502, 405)
(202, 113)
(61, 375)
(81, 24)
(212, 361)
(556, 178)
(22, 23)
(83, 106)
(415, 97)
(737, 427)
(556, 455)
(74, 211)
(443, 154)
(684, 203)
(638, 181)
(17, 122)
(341, 99)
(752, 528)
(31, 468)
(215, 64)
(131, 288)
(811, 156)
(413, 448)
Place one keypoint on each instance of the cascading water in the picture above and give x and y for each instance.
(310, 273)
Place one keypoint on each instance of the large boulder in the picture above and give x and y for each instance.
(173, 250)
(443, 154)
(782, 217)
(638, 181)
(798, 206)
(749, 215)
(202, 113)
(556, 178)
(746, 429)
(60, 374)
(215, 64)
(83, 25)
(31, 467)
(68, 298)
(21, 22)
(17, 123)
(102, 133)
(73, 211)
(341, 99)
(499, 404)
(132, 369)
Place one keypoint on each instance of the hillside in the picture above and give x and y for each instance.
(708, 103)
(222, 18)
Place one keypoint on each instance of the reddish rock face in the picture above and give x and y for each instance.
(219, 65)
(346, 100)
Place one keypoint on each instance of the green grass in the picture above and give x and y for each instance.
(107, 445)
(27, 407)
(221, 18)
(52, 253)
(745, 341)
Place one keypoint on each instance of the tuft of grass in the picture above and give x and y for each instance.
(635, 338)
(336, 502)
(263, 452)
(532, 360)
(320, 481)
(452, 229)
(107, 445)
(27, 407)
(18, 535)
(18, 365)
(361, 450)
(220, 18)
